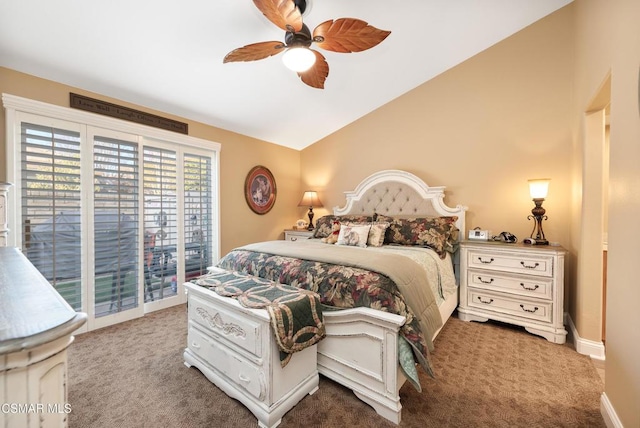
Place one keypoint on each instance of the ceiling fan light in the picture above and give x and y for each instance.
(299, 59)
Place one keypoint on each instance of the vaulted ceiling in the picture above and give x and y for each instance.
(167, 55)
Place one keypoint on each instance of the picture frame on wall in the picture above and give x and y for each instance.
(260, 189)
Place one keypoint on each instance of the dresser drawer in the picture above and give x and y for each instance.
(237, 370)
(520, 263)
(234, 326)
(540, 287)
(540, 311)
(297, 235)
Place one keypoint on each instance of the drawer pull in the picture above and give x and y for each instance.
(195, 345)
(535, 287)
(485, 282)
(487, 302)
(535, 308)
(530, 266)
(245, 379)
(293, 238)
(486, 262)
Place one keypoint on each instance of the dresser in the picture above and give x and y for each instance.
(514, 283)
(234, 348)
(36, 327)
(296, 234)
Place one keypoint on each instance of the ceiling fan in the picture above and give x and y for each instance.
(343, 35)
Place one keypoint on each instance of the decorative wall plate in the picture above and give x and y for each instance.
(260, 189)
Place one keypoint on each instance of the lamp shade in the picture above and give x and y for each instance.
(539, 187)
(310, 199)
(299, 59)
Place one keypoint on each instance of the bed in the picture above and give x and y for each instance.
(398, 296)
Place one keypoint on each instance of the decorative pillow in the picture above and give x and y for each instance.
(438, 233)
(323, 226)
(376, 233)
(355, 236)
(324, 223)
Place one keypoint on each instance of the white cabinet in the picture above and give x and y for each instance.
(4, 228)
(234, 348)
(294, 235)
(514, 283)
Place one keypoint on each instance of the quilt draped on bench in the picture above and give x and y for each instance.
(295, 314)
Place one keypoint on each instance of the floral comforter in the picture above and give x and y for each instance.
(342, 285)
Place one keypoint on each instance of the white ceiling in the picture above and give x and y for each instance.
(167, 55)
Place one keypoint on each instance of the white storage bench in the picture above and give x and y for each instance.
(235, 348)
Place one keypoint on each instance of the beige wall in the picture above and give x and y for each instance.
(239, 225)
(608, 41)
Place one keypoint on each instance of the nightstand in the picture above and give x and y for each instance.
(295, 234)
(514, 283)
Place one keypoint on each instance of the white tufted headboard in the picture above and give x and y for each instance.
(399, 193)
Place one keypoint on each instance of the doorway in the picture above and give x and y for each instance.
(595, 185)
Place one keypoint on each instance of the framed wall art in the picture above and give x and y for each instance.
(260, 189)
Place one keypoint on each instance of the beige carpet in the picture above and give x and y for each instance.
(488, 375)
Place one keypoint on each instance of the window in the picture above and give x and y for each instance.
(160, 231)
(51, 200)
(115, 215)
(197, 208)
(115, 225)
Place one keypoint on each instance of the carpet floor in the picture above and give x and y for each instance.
(487, 375)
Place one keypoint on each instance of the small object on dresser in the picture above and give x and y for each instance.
(478, 234)
(506, 237)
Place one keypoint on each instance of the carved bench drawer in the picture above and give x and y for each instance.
(536, 310)
(228, 322)
(540, 287)
(238, 371)
(525, 263)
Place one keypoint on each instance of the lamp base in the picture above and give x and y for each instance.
(310, 215)
(537, 217)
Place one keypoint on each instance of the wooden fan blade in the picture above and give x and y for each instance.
(254, 52)
(317, 74)
(347, 35)
(283, 13)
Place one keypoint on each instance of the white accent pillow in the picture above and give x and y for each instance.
(355, 236)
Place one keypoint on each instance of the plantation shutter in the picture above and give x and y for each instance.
(116, 205)
(51, 202)
(160, 223)
(86, 189)
(198, 215)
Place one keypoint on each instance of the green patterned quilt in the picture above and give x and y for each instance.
(295, 314)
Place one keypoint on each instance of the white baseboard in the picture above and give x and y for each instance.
(608, 413)
(584, 346)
